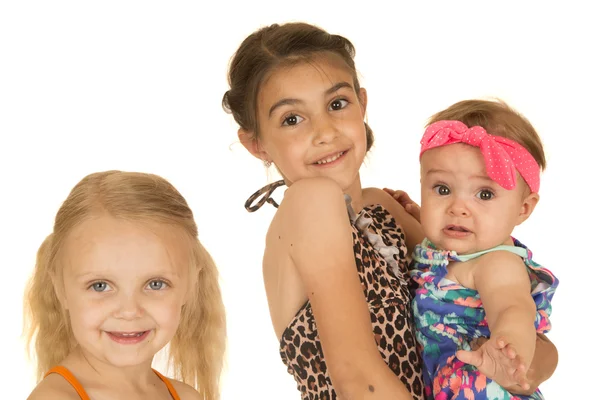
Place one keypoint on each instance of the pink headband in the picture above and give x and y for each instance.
(502, 156)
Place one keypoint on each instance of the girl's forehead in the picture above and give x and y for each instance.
(304, 82)
(323, 66)
(107, 241)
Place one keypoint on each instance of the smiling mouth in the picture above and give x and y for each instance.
(331, 158)
(128, 338)
(128, 334)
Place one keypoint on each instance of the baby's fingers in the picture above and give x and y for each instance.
(474, 358)
(508, 351)
(520, 377)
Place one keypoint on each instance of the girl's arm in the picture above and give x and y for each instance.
(505, 290)
(318, 236)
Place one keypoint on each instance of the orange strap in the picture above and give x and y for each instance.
(169, 385)
(69, 377)
(65, 373)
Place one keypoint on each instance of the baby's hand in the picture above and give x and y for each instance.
(404, 199)
(498, 360)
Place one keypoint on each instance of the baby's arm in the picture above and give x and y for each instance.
(505, 289)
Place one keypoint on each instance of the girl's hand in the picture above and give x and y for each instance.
(404, 199)
(498, 360)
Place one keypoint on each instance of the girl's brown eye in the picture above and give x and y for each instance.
(338, 104)
(292, 120)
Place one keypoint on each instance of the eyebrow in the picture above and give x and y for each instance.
(435, 171)
(290, 101)
(92, 275)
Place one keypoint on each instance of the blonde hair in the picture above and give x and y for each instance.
(196, 351)
(498, 119)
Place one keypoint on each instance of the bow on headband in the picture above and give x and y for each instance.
(502, 156)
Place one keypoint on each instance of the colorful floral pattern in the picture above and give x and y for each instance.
(449, 316)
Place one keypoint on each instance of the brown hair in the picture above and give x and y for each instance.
(197, 350)
(498, 119)
(271, 47)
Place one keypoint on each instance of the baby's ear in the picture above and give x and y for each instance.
(527, 207)
(252, 144)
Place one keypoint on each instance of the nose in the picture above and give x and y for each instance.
(129, 306)
(458, 208)
(325, 130)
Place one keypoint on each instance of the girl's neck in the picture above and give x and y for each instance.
(89, 368)
(355, 193)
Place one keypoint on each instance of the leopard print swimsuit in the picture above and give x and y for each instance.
(380, 254)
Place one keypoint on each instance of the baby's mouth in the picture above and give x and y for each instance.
(457, 228)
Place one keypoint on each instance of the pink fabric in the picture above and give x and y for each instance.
(502, 156)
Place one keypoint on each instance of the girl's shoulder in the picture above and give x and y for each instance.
(303, 200)
(317, 191)
(54, 387)
(185, 391)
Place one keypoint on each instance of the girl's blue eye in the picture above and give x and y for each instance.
(157, 285)
(99, 286)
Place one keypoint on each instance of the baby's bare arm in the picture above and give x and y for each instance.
(505, 289)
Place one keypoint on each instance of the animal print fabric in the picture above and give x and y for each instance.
(381, 262)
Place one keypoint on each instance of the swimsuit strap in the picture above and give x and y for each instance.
(267, 191)
(169, 385)
(69, 377)
(520, 251)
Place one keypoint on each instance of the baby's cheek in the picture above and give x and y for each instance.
(427, 221)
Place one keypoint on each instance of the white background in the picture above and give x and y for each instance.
(91, 86)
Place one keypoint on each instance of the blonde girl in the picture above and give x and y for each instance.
(122, 275)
